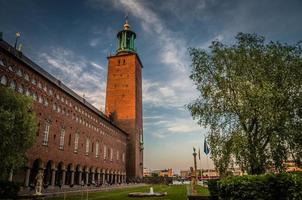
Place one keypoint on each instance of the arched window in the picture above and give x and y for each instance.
(111, 154)
(20, 89)
(33, 81)
(62, 135)
(3, 80)
(12, 85)
(87, 146)
(76, 142)
(45, 88)
(11, 68)
(54, 107)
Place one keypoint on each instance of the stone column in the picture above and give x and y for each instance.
(72, 178)
(92, 177)
(119, 179)
(27, 175)
(63, 177)
(80, 178)
(98, 177)
(87, 178)
(53, 177)
(114, 178)
(103, 178)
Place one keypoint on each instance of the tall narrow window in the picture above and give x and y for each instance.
(87, 146)
(111, 154)
(123, 157)
(62, 135)
(76, 142)
(105, 152)
(117, 155)
(97, 149)
(46, 134)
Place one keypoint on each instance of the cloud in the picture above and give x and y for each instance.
(76, 72)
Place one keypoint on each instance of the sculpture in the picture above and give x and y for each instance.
(39, 183)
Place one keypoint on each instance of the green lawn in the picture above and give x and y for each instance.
(174, 193)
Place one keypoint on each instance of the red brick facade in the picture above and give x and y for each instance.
(76, 143)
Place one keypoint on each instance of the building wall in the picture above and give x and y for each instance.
(64, 111)
(124, 104)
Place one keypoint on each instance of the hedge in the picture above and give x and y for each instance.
(8, 189)
(284, 186)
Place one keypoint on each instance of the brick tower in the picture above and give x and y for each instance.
(124, 97)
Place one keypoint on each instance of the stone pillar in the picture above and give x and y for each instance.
(80, 178)
(119, 179)
(103, 178)
(98, 177)
(114, 178)
(27, 175)
(92, 177)
(86, 178)
(72, 178)
(63, 177)
(53, 177)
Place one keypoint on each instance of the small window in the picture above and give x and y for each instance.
(11, 68)
(35, 96)
(54, 107)
(20, 89)
(27, 92)
(39, 85)
(97, 149)
(19, 73)
(45, 102)
(50, 92)
(45, 88)
(2, 63)
(12, 85)
(26, 77)
(3, 80)
(40, 99)
(33, 81)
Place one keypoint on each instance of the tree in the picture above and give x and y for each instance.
(251, 101)
(18, 127)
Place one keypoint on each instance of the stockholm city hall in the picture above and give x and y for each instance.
(76, 143)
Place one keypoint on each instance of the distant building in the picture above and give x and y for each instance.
(163, 172)
(166, 173)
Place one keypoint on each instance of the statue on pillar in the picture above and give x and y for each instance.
(193, 173)
(39, 183)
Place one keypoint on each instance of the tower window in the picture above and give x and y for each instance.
(87, 146)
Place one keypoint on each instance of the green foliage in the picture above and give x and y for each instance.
(251, 100)
(261, 187)
(18, 127)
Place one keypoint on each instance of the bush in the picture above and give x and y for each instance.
(8, 189)
(263, 187)
(213, 188)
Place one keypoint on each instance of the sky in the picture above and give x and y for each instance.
(72, 39)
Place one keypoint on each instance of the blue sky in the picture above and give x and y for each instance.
(71, 40)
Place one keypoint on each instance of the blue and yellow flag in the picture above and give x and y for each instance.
(206, 149)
